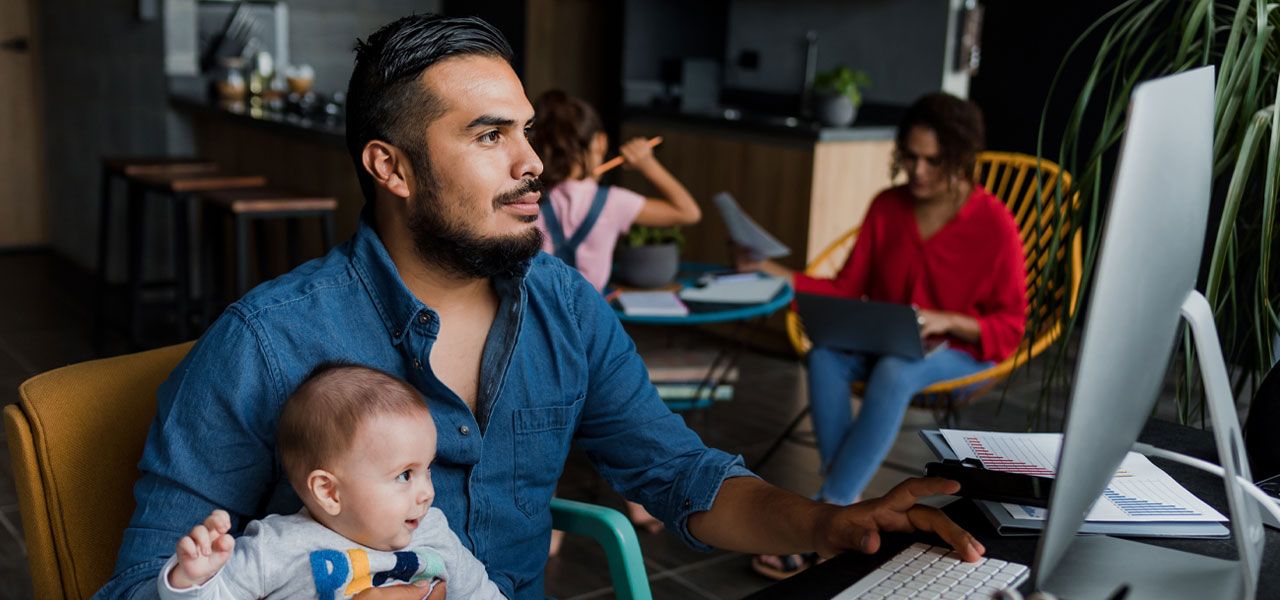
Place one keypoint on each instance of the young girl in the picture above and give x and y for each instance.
(581, 219)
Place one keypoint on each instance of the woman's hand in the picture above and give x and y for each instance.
(747, 262)
(933, 322)
(959, 326)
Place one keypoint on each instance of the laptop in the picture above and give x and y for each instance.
(864, 326)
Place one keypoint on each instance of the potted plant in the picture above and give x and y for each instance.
(838, 95)
(1143, 40)
(650, 256)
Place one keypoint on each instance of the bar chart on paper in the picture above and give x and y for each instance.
(1139, 491)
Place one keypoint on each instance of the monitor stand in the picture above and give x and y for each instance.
(1096, 566)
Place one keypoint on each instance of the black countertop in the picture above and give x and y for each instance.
(328, 130)
(872, 124)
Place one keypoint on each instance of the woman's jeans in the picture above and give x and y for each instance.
(852, 449)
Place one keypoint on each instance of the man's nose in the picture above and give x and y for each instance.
(525, 164)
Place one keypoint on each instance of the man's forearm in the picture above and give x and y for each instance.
(750, 515)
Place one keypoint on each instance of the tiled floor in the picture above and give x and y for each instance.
(44, 323)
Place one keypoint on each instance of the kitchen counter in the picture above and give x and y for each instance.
(729, 120)
(327, 130)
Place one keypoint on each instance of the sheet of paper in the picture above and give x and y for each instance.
(652, 304)
(756, 290)
(1139, 491)
(746, 232)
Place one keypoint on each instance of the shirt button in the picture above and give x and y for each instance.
(464, 430)
(424, 318)
(688, 504)
(395, 334)
(417, 365)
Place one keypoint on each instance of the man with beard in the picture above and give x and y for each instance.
(443, 286)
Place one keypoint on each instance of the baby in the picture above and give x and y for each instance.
(357, 445)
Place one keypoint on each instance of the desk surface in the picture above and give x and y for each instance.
(829, 578)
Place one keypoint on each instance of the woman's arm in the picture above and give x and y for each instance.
(677, 206)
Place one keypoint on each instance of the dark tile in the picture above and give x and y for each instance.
(579, 568)
(731, 577)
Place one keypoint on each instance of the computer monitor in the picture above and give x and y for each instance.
(1145, 283)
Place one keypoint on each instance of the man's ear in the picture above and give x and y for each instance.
(388, 166)
(323, 487)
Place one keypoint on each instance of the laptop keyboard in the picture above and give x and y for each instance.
(923, 571)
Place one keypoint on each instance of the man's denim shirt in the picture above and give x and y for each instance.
(557, 367)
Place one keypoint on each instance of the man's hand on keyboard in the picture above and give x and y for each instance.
(858, 526)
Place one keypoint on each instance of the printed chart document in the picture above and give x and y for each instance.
(1141, 499)
(652, 304)
(746, 232)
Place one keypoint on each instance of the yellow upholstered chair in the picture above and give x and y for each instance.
(75, 438)
(1027, 185)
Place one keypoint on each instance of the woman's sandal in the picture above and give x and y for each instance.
(779, 567)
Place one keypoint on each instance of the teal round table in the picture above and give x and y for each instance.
(710, 389)
(701, 313)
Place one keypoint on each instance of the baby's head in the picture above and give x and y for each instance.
(357, 445)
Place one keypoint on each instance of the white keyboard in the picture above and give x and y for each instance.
(923, 571)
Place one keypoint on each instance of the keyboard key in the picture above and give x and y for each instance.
(955, 595)
(901, 577)
(986, 591)
(913, 585)
(934, 587)
(949, 579)
(996, 562)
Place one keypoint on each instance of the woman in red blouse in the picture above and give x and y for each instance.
(941, 243)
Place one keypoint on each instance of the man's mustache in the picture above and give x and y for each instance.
(528, 186)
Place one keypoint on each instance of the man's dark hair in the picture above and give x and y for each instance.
(386, 101)
(958, 125)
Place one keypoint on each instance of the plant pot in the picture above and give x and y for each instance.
(835, 110)
(648, 266)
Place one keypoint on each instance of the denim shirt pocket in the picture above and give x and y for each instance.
(542, 436)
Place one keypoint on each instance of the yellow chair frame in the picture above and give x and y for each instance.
(1027, 185)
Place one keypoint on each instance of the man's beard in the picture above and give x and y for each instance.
(460, 250)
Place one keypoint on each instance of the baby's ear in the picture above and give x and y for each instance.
(323, 488)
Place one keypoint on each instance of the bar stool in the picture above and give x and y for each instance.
(123, 169)
(246, 207)
(179, 188)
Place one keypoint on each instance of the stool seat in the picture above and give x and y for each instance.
(133, 166)
(185, 183)
(267, 200)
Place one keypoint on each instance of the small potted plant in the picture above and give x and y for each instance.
(650, 256)
(838, 95)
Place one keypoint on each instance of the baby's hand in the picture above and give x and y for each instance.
(203, 551)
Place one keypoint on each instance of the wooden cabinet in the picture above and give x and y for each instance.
(805, 192)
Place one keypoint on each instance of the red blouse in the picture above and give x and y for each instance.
(973, 265)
